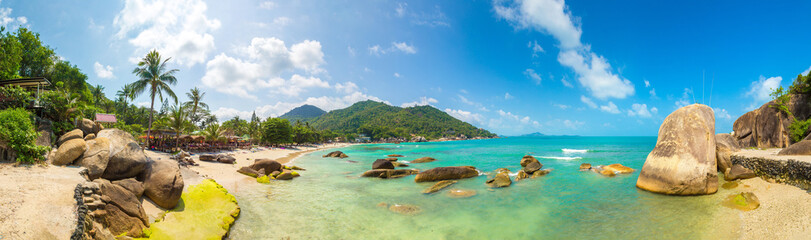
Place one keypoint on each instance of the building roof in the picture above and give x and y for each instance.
(26, 82)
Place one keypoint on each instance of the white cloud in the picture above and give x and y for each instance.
(177, 29)
(554, 18)
(653, 93)
(562, 106)
(281, 21)
(376, 50)
(464, 100)
(267, 5)
(536, 48)
(11, 23)
(641, 110)
(95, 27)
(647, 83)
(105, 72)
(610, 108)
(401, 9)
(424, 101)
(760, 89)
(351, 51)
(465, 116)
(347, 87)
(404, 47)
(397, 75)
(721, 113)
(685, 98)
(142, 104)
(566, 83)
(531, 74)
(573, 124)
(588, 101)
(365, 69)
(265, 60)
(507, 96)
(274, 110)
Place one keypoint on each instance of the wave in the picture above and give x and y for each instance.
(567, 150)
(559, 158)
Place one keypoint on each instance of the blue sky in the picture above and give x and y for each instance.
(512, 67)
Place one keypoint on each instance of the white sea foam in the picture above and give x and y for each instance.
(559, 158)
(567, 150)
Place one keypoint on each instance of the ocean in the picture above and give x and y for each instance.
(331, 201)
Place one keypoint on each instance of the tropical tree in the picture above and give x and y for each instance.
(276, 131)
(98, 94)
(178, 121)
(195, 101)
(125, 94)
(214, 132)
(155, 77)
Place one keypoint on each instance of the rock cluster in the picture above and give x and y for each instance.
(446, 173)
(107, 209)
(221, 158)
(336, 154)
(265, 170)
(184, 159)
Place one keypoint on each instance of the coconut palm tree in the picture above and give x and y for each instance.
(213, 132)
(154, 76)
(195, 100)
(178, 121)
(98, 94)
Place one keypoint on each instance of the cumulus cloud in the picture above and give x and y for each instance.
(263, 62)
(267, 5)
(536, 48)
(566, 83)
(403, 47)
(466, 116)
(478, 105)
(647, 84)
(11, 23)
(274, 110)
(507, 96)
(400, 10)
(281, 21)
(806, 72)
(531, 74)
(721, 113)
(641, 110)
(554, 18)
(610, 108)
(686, 98)
(397, 75)
(179, 29)
(424, 101)
(588, 101)
(102, 71)
(760, 89)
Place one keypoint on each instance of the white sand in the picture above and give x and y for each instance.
(37, 201)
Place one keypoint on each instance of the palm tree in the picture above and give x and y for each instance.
(195, 100)
(98, 94)
(154, 76)
(178, 121)
(213, 132)
(125, 94)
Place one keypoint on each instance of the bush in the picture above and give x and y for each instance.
(797, 129)
(14, 97)
(17, 130)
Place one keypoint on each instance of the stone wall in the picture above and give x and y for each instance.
(791, 172)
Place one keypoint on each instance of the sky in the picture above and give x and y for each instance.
(513, 67)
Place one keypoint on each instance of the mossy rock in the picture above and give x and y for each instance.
(263, 179)
(295, 174)
(745, 201)
(205, 211)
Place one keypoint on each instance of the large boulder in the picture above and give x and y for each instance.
(423, 160)
(127, 159)
(208, 157)
(683, 161)
(75, 134)
(248, 171)
(767, 126)
(382, 164)
(122, 211)
(336, 154)
(529, 164)
(96, 158)
(389, 173)
(225, 158)
(744, 129)
(502, 179)
(446, 173)
(725, 145)
(87, 126)
(439, 186)
(618, 168)
(800, 148)
(163, 183)
(132, 185)
(69, 151)
(266, 164)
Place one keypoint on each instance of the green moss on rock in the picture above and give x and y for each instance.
(205, 211)
(263, 179)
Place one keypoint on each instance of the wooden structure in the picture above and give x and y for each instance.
(168, 141)
(36, 85)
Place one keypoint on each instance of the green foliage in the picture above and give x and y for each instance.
(781, 98)
(155, 77)
(802, 84)
(214, 132)
(798, 129)
(11, 53)
(134, 129)
(17, 130)
(239, 126)
(379, 120)
(37, 58)
(305, 113)
(276, 131)
(14, 97)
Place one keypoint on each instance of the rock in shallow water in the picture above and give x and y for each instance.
(439, 186)
(446, 173)
(405, 209)
(745, 201)
(423, 160)
(501, 179)
(382, 164)
(683, 161)
(585, 166)
(461, 193)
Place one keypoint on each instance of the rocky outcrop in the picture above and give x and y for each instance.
(738, 172)
(446, 173)
(336, 154)
(69, 151)
(768, 126)
(502, 179)
(423, 160)
(267, 165)
(249, 172)
(87, 126)
(683, 161)
(389, 173)
(382, 164)
(585, 166)
(725, 145)
(800, 148)
(208, 213)
(96, 157)
(163, 183)
(530, 164)
(119, 210)
(221, 158)
(439, 186)
(127, 159)
(399, 164)
(521, 175)
(75, 134)
(134, 186)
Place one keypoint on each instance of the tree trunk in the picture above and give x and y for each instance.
(149, 129)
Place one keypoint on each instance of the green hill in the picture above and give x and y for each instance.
(379, 120)
(305, 113)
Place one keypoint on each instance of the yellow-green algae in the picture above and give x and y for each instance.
(205, 211)
(263, 179)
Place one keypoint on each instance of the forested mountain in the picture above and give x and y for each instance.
(379, 120)
(305, 113)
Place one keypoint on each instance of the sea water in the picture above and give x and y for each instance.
(331, 201)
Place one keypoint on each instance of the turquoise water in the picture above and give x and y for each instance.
(329, 201)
